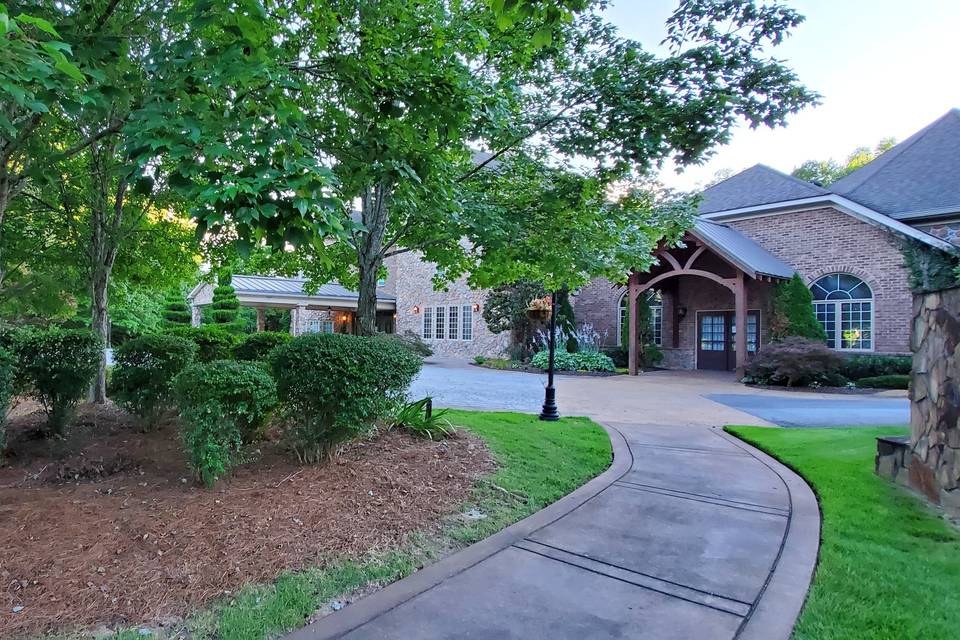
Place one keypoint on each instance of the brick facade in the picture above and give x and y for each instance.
(412, 280)
(821, 241)
(816, 242)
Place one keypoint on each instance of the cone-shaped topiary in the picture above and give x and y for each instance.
(793, 313)
(175, 311)
(225, 304)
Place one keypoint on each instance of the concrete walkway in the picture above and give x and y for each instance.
(689, 534)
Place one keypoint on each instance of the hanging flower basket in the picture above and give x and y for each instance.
(539, 309)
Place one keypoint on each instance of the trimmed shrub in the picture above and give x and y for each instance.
(891, 381)
(793, 313)
(213, 342)
(223, 404)
(795, 361)
(333, 386)
(176, 312)
(143, 372)
(7, 374)
(410, 341)
(257, 346)
(225, 304)
(870, 366)
(580, 361)
(59, 365)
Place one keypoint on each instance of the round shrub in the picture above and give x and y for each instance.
(257, 346)
(223, 404)
(332, 386)
(143, 372)
(59, 365)
(213, 342)
(579, 361)
(795, 361)
(7, 374)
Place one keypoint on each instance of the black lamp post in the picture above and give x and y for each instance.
(549, 411)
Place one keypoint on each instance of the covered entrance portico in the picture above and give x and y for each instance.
(712, 284)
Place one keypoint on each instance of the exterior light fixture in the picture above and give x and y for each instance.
(476, 307)
(416, 309)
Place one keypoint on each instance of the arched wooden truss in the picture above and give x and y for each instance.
(688, 267)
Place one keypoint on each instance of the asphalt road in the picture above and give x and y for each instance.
(457, 384)
(829, 411)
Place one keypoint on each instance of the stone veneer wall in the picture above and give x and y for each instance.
(821, 241)
(411, 278)
(935, 398)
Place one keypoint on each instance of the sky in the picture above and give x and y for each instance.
(884, 68)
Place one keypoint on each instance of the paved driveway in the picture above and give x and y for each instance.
(696, 398)
(835, 411)
(454, 383)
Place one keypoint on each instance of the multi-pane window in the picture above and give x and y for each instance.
(467, 321)
(655, 301)
(438, 325)
(843, 305)
(713, 332)
(313, 326)
(453, 322)
(427, 323)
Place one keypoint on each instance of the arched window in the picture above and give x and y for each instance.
(656, 316)
(844, 306)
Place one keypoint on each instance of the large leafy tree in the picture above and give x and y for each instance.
(400, 93)
(826, 172)
(173, 102)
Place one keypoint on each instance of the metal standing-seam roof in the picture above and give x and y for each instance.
(253, 284)
(750, 257)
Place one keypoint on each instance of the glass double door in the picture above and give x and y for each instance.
(717, 338)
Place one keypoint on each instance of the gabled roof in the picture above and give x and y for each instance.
(749, 257)
(757, 185)
(288, 287)
(918, 177)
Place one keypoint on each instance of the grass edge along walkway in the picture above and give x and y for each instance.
(889, 566)
(538, 463)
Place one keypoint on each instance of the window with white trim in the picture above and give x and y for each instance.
(453, 322)
(655, 301)
(467, 322)
(843, 304)
(428, 323)
(438, 324)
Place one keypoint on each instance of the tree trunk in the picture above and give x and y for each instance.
(375, 202)
(100, 323)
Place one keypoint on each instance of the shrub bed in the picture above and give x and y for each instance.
(213, 342)
(580, 361)
(223, 404)
(795, 361)
(58, 365)
(864, 366)
(143, 372)
(892, 381)
(332, 386)
(257, 346)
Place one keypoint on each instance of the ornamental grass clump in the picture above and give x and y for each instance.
(332, 387)
(142, 381)
(223, 405)
(58, 366)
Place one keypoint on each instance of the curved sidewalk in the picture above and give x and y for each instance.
(690, 533)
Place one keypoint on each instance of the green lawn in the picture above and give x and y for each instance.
(889, 567)
(539, 463)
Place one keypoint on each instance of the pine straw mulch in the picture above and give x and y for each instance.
(117, 533)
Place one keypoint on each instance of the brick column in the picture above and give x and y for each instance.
(261, 319)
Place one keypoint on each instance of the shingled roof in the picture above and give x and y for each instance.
(757, 185)
(917, 178)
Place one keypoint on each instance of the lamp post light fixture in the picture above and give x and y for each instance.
(549, 411)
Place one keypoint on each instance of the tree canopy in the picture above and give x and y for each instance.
(826, 172)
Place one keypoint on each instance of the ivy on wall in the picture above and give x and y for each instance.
(930, 269)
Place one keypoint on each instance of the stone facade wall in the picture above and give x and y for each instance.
(821, 241)
(412, 279)
(949, 230)
(935, 398)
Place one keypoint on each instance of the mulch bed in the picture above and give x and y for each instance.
(117, 533)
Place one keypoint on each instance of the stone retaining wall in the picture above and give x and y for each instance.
(934, 468)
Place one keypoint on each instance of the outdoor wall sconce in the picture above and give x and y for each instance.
(682, 312)
(416, 309)
(476, 307)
